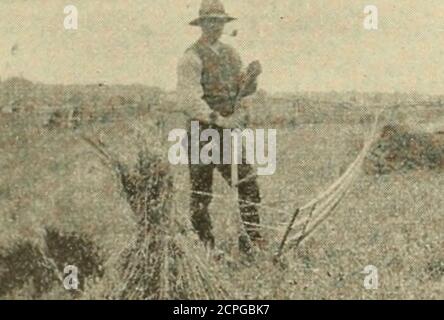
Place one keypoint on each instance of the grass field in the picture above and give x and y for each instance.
(394, 222)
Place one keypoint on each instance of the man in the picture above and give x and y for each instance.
(211, 85)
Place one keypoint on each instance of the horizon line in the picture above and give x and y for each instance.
(166, 90)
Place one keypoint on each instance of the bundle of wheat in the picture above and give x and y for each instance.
(162, 262)
(76, 249)
(400, 149)
(43, 265)
(24, 263)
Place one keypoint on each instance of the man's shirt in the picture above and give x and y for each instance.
(189, 87)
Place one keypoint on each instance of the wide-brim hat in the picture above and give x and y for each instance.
(212, 9)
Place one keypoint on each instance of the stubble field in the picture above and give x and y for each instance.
(51, 177)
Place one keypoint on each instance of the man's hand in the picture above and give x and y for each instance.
(248, 82)
(254, 69)
(226, 110)
(238, 120)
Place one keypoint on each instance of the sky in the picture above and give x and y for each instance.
(316, 45)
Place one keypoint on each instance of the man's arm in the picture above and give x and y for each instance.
(189, 88)
(248, 84)
(190, 93)
(250, 89)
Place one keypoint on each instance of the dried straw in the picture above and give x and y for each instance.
(163, 262)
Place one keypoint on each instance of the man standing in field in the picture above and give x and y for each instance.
(211, 85)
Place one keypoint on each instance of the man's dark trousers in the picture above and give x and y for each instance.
(201, 176)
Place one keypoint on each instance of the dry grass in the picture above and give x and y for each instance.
(43, 265)
(400, 148)
(160, 263)
(392, 221)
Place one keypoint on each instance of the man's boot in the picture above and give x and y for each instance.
(202, 225)
(250, 243)
(207, 238)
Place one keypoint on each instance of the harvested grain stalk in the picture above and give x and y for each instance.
(162, 262)
(401, 149)
(316, 211)
(43, 265)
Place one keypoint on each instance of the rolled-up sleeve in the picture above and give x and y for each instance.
(189, 88)
(250, 87)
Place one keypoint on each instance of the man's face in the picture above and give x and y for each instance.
(212, 29)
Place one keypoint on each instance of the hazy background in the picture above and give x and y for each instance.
(303, 44)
